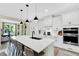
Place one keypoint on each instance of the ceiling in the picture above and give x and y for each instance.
(43, 9)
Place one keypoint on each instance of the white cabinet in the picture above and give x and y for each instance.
(49, 51)
(57, 22)
(66, 49)
(71, 18)
(66, 20)
(63, 52)
(47, 21)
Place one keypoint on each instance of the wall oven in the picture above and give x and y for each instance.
(71, 36)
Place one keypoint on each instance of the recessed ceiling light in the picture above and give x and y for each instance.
(46, 10)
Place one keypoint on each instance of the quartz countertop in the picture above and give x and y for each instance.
(36, 45)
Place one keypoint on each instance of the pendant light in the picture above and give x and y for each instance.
(35, 18)
(21, 22)
(27, 12)
(21, 15)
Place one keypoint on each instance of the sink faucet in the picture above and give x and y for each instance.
(33, 32)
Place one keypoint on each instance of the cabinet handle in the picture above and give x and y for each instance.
(69, 22)
(70, 48)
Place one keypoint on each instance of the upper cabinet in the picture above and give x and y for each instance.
(71, 18)
(46, 22)
(57, 22)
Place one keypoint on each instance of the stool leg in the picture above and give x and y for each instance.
(22, 49)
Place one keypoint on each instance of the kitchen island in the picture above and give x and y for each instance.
(45, 44)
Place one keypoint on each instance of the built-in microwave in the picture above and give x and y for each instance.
(71, 36)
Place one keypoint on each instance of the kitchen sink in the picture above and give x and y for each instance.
(36, 38)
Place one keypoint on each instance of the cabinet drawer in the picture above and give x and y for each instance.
(63, 52)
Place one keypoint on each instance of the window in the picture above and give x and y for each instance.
(8, 27)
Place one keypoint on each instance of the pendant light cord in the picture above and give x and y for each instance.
(36, 18)
(35, 9)
(27, 10)
(21, 13)
(21, 16)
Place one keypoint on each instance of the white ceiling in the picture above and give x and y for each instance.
(43, 9)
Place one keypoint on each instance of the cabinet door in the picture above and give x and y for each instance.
(49, 51)
(63, 52)
(66, 19)
(74, 18)
(47, 21)
(71, 18)
(57, 22)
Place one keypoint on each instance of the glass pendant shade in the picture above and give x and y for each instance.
(27, 5)
(27, 20)
(21, 22)
(36, 18)
(21, 10)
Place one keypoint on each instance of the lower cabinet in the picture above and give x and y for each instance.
(49, 51)
(63, 52)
